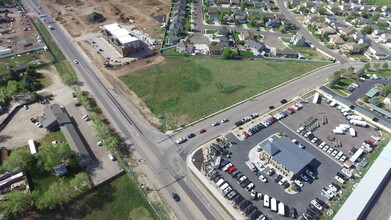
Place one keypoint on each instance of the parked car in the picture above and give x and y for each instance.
(316, 204)
(181, 140)
(112, 158)
(262, 178)
(278, 178)
(250, 186)
(224, 120)
(191, 135)
(292, 212)
(215, 124)
(202, 131)
(226, 167)
(299, 183)
(232, 194)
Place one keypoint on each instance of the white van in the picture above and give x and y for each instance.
(225, 185)
(352, 132)
(221, 181)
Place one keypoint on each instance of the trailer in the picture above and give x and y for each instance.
(33, 150)
(338, 131)
(273, 205)
(333, 103)
(352, 132)
(281, 209)
(316, 98)
(251, 165)
(266, 202)
(356, 155)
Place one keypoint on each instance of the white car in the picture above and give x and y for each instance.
(343, 158)
(301, 146)
(215, 124)
(224, 120)
(330, 150)
(226, 167)
(262, 178)
(39, 125)
(322, 144)
(281, 182)
(334, 153)
(317, 205)
(314, 139)
(300, 129)
(99, 143)
(299, 183)
(250, 186)
(326, 147)
(111, 157)
(339, 179)
(181, 140)
(271, 139)
(308, 134)
(76, 61)
(86, 117)
(295, 141)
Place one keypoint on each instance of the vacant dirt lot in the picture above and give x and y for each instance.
(72, 14)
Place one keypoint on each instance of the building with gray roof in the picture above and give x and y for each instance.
(286, 157)
(56, 117)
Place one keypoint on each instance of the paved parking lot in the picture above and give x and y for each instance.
(324, 166)
(334, 117)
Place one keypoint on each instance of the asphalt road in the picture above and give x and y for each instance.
(308, 35)
(170, 172)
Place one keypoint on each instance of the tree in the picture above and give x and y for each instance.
(15, 202)
(12, 89)
(79, 183)
(385, 90)
(227, 53)
(322, 10)
(367, 29)
(367, 66)
(19, 158)
(375, 17)
(241, 5)
(361, 72)
(57, 194)
(363, 13)
(334, 81)
(376, 65)
(375, 100)
(221, 17)
(351, 69)
(52, 155)
(385, 66)
(229, 11)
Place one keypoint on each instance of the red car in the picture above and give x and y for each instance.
(298, 107)
(201, 131)
(246, 134)
(291, 110)
(230, 170)
(272, 119)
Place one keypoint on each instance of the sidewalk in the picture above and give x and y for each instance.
(225, 203)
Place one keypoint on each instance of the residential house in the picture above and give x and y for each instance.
(330, 20)
(259, 5)
(235, 2)
(377, 32)
(224, 10)
(309, 4)
(246, 35)
(287, 53)
(271, 6)
(241, 19)
(354, 1)
(346, 31)
(299, 40)
(222, 31)
(216, 49)
(288, 25)
(336, 40)
(314, 10)
(254, 46)
(356, 7)
(363, 21)
(272, 23)
(345, 7)
(326, 30)
(386, 8)
(268, 16)
(295, 2)
(319, 25)
(375, 8)
(183, 47)
(365, 7)
(279, 16)
(385, 38)
(256, 13)
(352, 48)
(364, 40)
(229, 19)
(172, 40)
(238, 11)
(376, 51)
(223, 2)
(214, 17)
(258, 23)
(224, 40)
(311, 18)
(358, 35)
(248, 3)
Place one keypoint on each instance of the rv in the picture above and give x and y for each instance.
(338, 131)
(266, 202)
(273, 205)
(316, 98)
(251, 165)
(281, 209)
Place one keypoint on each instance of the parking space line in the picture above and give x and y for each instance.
(325, 153)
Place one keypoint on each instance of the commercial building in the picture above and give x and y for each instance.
(285, 157)
(121, 39)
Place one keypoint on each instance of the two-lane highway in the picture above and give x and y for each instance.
(168, 167)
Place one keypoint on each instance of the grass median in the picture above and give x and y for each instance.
(184, 89)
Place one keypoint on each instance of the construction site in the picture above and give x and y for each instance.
(17, 33)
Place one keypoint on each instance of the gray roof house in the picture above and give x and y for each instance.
(254, 46)
(288, 154)
(56, 116)
(183, 47)
(222, 31)
(299, 40)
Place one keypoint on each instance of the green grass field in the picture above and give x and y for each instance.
(379, 2)
(310, 53)
(184, 89)
(16, 61)
(118, 199)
